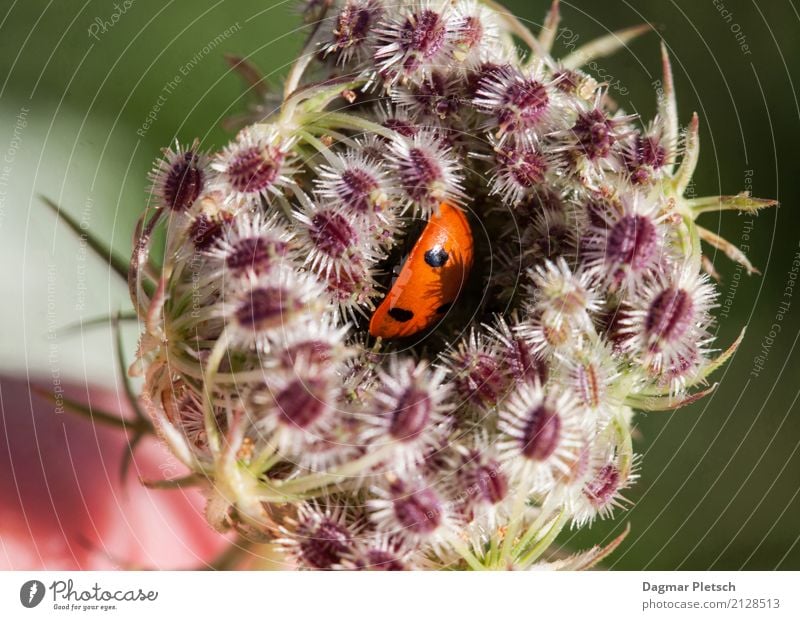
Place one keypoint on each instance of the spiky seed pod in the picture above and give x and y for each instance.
(519, 169)
(259, 313)
(626, 240)
(479, 378)
(437, 96)
(258, 164)
(427, 172)
(411, 510)
(518, 357)
(318, 538)
(521, 104)
(408, 412)
(645, 156)
(539, 435)
(331, 241)
(250, 246)
(476, 34)
(359, 183)
(669, 320)
(414, 40)
(560, 293)
(179, 177)
(351, 31)
(293, 409)
(599, 481)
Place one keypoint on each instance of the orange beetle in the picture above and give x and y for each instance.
(431, 278)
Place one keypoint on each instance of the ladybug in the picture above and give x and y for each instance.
(431, 278)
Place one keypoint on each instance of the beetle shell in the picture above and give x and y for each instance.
(431, 278)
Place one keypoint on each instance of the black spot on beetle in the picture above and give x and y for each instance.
(401, 314)
(436, 257)
(444, 307)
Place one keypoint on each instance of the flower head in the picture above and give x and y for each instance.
(180, 177)
(256, 165)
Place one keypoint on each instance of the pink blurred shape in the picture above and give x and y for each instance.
(63, 505)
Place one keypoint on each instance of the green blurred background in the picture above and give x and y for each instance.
(719, 480)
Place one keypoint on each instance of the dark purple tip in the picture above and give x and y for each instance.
(205, 231)
(254, 254)
(419, 512)
(526, 166)
(331, 233)
(323, 545)
(254, 169)
(594, 133)
(524, 103)
(183, 182)
(524, 364)
(411, 415)
(266, 307)
(602, 489)
(633, 241)
(488, 483)
(483, 381)
(418, 172)
(353, 25)
(377, 559)
(541, 433)
(670, 314)
(424, 35)
(302, 402)
(356, 189)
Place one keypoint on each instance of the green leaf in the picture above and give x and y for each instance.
(123, 370)
(691, 153)
(102, 250)
(191, 480)
(603, 46)
(741, 202)
(93, 414)
(666, 403)
(725, 246)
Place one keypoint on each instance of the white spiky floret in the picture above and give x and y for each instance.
(259, 314)
(414, 39)
(409, 412)
(319, 537)
(413, 510)
(250, 246)
(331, 240)
(539, 433)
(669, 320)
(292, 410)
(559, 290)
(476, 34)
(627, 239)
(521, 104)
(361, 184)
(349, 34)
(427, 171)
(257, 165)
